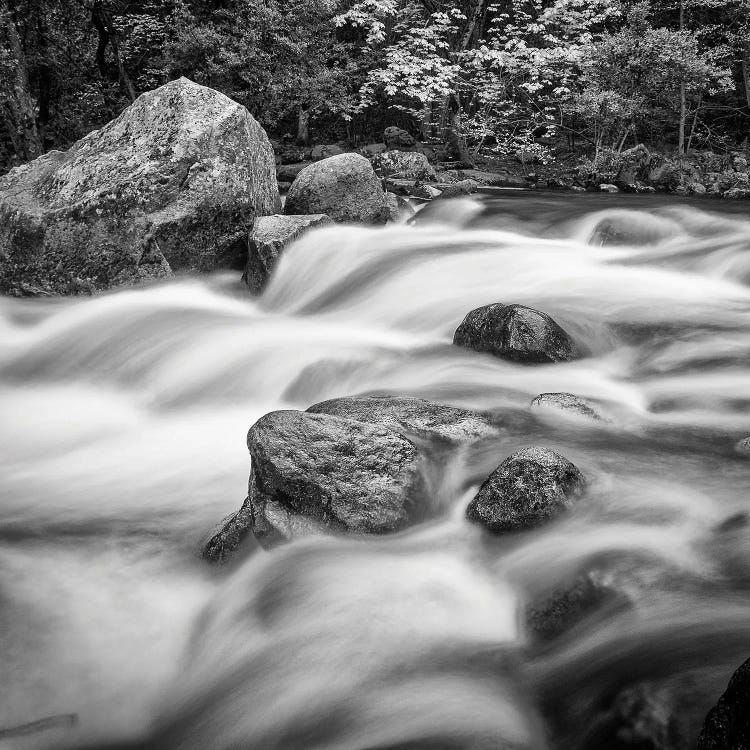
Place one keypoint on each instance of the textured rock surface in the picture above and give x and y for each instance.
(269, 236)
(404, 165)
(515, 332)
(727, 725)
(457, 189)
(567, 402)
(174, 182)
(530, 487)
(410, 416)
(397, 138)
(316, 473)
(344, 187)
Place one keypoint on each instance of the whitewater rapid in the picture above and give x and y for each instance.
(123, 444)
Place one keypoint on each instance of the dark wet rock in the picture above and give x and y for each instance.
(344, 187)
(229, 536)
(317, 473)
(567, 403)
(269, 236)
(727, 725)
(397, 138)
(411, 416)
(587, 596)
(173, 183)
(403, 165)
(516, 333)
(325, 151)
(288, 172)
(529, 488)
(458, 189)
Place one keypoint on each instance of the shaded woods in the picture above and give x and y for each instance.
(532, 79)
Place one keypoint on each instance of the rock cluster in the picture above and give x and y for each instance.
(173, 183)
(699, 173)
(345, 466)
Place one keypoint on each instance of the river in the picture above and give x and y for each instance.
(123, 444)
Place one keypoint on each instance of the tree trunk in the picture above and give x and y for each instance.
(303, 126)
(19, 109)
(473, 15)
(425, 122)
(108, 35)
(746, 69)
(455, 136)
(683, 97)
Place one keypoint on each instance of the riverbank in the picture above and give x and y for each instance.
(635, 170)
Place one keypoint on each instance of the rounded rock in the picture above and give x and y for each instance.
(344, 187)
(516, 333)
(529, 488)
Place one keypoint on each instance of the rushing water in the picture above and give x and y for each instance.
(124, 418)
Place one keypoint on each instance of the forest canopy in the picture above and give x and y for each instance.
(527, 77)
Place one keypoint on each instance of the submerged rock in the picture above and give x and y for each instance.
(269, 236)
(645, 716)
(318, 473)
(727, 725)
(410, 416)
(344, 187)
(516, 333)
(563, 609)
(174, 182)
(568, 403)
(527, 489)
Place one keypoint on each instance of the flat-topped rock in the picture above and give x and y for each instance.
(411, 416)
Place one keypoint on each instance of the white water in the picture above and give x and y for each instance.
(124, 421)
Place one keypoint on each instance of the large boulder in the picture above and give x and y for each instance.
(516, 333)
(398, 138)
(527, 489)
(404, 165)
(411, 416)
(269, 236)
(318, 473)
(344, 187)
(727, 725)
(174, 182)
